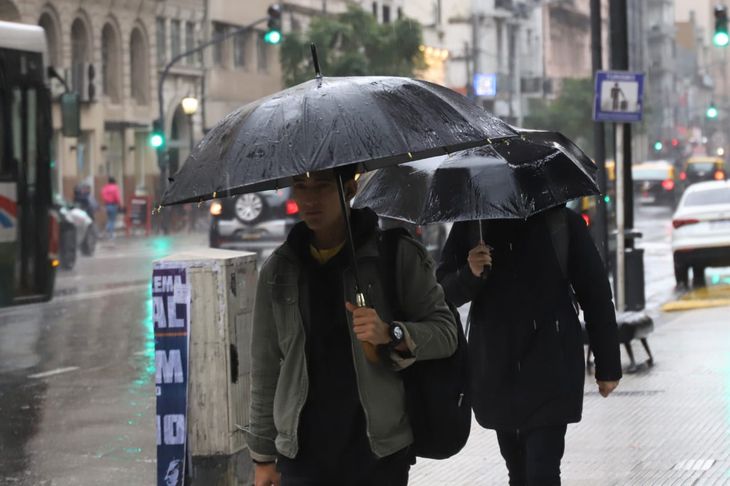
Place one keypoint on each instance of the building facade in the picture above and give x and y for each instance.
(105, 51)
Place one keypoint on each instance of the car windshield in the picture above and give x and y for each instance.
(650, 174)
(700, 167)
(709, 197)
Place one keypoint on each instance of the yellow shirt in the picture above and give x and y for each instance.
(325, 255)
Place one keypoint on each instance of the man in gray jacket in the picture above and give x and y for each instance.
(321, 412)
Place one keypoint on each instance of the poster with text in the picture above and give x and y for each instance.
(171, 310)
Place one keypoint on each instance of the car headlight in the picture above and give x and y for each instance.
(216, 208)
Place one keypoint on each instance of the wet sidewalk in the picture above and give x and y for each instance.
(668, 425)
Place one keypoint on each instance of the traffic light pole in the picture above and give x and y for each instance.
(599, 136)
(162, 161)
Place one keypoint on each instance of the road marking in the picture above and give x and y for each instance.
(713, 296)
(57, 371)
(695, 465)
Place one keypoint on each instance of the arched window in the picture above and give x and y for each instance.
(111, 64)
(53, 38)
(80, 54)
(8, 11)
(139, 73)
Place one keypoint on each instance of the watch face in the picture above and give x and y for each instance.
(397, 333)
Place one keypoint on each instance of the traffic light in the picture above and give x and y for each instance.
(658, 146)
(273, 33)
(675, 142)
(711, 111)
(721, 37)
(157, 136)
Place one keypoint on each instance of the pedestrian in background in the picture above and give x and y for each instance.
(112, 201)
(321, 412)
(525, 339)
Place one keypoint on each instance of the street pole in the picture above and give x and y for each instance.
(620, 241)
(599, 135)
(620, 61)
(190, 124)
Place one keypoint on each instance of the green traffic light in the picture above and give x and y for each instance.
(157, 140)
(711, 112)
(272, 37)
(721, 38)
(658, 146)
(607, 199)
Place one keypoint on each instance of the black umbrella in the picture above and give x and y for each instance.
(512, 179)
(373, 122)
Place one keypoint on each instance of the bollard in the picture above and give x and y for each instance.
(209, 293)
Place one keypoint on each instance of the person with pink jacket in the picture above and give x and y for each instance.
(112, 200)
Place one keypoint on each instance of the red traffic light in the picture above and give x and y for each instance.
(675, 142)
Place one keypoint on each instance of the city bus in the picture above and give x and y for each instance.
(28, 223)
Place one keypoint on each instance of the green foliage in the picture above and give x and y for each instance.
(353, 44)
(571, 113)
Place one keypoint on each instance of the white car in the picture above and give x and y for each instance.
(701, 230)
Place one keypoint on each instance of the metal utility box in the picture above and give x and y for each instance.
(222, 288)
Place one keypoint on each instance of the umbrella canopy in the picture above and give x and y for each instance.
(511, 179)
(373, 122)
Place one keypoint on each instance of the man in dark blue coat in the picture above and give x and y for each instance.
(525, 341)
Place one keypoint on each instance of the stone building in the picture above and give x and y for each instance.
(108, 52)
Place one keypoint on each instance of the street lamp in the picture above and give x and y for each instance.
(190, 107)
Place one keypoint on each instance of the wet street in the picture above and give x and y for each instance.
(77, 394)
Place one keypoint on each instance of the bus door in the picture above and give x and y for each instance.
(24, 178)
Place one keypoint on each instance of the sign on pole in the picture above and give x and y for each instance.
(485, 84)
(619, 97)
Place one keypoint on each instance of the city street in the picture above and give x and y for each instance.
(77, 394)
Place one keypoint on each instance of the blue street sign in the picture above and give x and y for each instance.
(619, 96)
(485, 84)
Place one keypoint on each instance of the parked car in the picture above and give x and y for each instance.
(654, 183)
(701, 230)
(702, 168)
(253, 221)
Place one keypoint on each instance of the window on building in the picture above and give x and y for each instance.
(50, 27)
(386, 14)
(175, 39)
(375, 10)
(80, 54)
(400, 13)
(219, 30)
(240, 44)
(161, 41)
(262, 54)
(189, 41)
(110, 64)
(139, 73)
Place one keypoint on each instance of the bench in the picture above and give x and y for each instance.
(631, 325)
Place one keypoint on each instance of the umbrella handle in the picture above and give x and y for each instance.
(371, 353)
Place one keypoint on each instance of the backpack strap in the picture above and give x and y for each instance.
(388, 241)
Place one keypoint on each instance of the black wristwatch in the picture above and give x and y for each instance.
(397, 334)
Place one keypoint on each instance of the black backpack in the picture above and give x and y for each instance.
(438, 401)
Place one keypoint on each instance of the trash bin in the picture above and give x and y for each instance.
(634, 278)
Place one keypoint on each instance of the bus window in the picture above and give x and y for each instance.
(16, 121)
(5, 170)
(31, 145)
